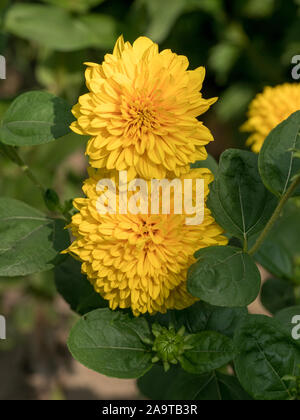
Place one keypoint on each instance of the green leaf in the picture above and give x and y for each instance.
(277, 164)
(282, 247)
(222, 320)
(176, 384)
(51, 199)
(238, 199)
(30, 241)
(267, 352)
(275, 258)
(112, 343)
(210, 350)
(80, 6)
(210, 163)
(287, 230)
(224, 276)
(203, 317)
(32, 22)
(258, 9)
(277, 294)
(35, 118)
(76, 289)
(162, 16)
(286, 315)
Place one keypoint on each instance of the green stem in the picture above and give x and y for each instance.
(275, 216)
(12, 154)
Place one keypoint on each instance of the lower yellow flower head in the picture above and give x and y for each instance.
(141, 111)
(140, 261)
(268, 109)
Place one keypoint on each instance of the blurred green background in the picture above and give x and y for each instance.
(244, 45)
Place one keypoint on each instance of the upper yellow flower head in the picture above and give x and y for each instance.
(268, 110)
(141, 111)
(140, 260)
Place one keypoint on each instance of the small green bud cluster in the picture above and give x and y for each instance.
(169, 345)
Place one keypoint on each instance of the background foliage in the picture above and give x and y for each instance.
(244, 45)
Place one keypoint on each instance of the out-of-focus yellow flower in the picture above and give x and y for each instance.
(140, 261)
(141, 111)
(268, 109)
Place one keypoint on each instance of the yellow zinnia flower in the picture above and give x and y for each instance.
(268, 109)
(141, 111)
(140, 261)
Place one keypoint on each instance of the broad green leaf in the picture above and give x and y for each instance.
(210, 351)
(34, 118)
(209, 163)
(285, 317)
(287, 229)
(222, 320)
(281, 249)
(267, 353)
(277, 164)
(30, 241)
(203, 317)
(32, 22)
(76, 289)
(239, 201)
(112, 343)
(277, 294)
(224, 276)
(176, 384)
(275, 258)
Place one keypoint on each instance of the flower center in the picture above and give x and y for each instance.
(148, 228)
(149, 232)
(141, 117)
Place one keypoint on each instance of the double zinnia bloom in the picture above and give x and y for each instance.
(141, 115)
